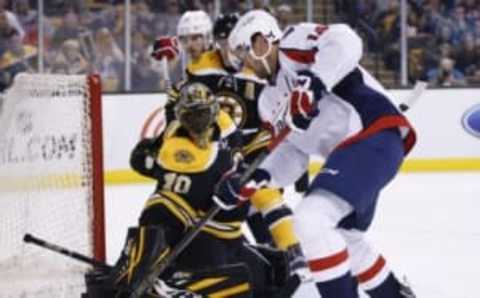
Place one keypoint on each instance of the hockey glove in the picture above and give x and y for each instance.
(165, 46)
(143, 156)
(304, 100)
(229, 193)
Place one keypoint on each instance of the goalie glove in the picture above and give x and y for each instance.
(144, 155)
(165, 47)
(304, 98)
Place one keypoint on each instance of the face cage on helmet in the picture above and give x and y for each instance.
(198, 118)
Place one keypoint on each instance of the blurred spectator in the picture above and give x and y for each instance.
(243, 6)
(459, 25)
(142, 18)
(474, 76)
(466, 56)
(14, 56)
(11, 19)
(28, 18)
(61, 7)
(144, 77)
(109, 60)
(165, 23)
(446, 75)
(70, 60)
(69, 29)
(7, 33)
(284, 13)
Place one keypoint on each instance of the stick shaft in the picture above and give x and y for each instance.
(28, 238)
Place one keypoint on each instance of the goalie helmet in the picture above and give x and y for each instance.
(195, 22)
(197, 111)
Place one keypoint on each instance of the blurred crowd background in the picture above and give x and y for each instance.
(112, 38)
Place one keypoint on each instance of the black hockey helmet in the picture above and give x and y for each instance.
(197, 110)
(224, 24)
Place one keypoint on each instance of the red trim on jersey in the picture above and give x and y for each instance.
(371, 272)
(149, 120)
(328, 262)
(383, 123)
(301, 56)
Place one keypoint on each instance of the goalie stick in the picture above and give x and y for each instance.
(28, 238)
(149, 280)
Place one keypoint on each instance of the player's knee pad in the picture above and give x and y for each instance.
(367, 264)
(316, 219)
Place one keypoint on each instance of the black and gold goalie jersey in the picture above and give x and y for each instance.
(187, 175)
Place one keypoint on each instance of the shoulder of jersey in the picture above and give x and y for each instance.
(301, 35)
(179, 154)
(248, 74)
(209, 63)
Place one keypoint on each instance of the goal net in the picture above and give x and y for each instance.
(51, 183)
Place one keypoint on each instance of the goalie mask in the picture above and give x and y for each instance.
(197, 111)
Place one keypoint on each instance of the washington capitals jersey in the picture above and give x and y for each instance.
(353, 106)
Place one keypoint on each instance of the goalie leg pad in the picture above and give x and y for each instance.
(233, 280)
(145, 248)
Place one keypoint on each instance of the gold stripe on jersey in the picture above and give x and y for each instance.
(229, 292)
(205, 283)
(248, 74)
(174, 209)
(261, 140)
(181, 202)
(225, 123)
(181, 155)
(221, 230)
(209, 63)
(183, 211)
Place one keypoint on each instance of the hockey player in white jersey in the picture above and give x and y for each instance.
(337, 110)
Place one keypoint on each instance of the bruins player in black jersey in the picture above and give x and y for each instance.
(188, 160)
(237, 94)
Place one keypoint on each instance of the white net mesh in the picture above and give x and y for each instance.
(45, 184)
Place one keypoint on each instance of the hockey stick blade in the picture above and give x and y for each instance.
(28, 238)
(149, 280)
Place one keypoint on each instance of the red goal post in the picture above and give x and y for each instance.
(51, 182)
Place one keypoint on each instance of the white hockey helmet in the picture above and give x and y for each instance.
(251, 23)
(195, 22)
